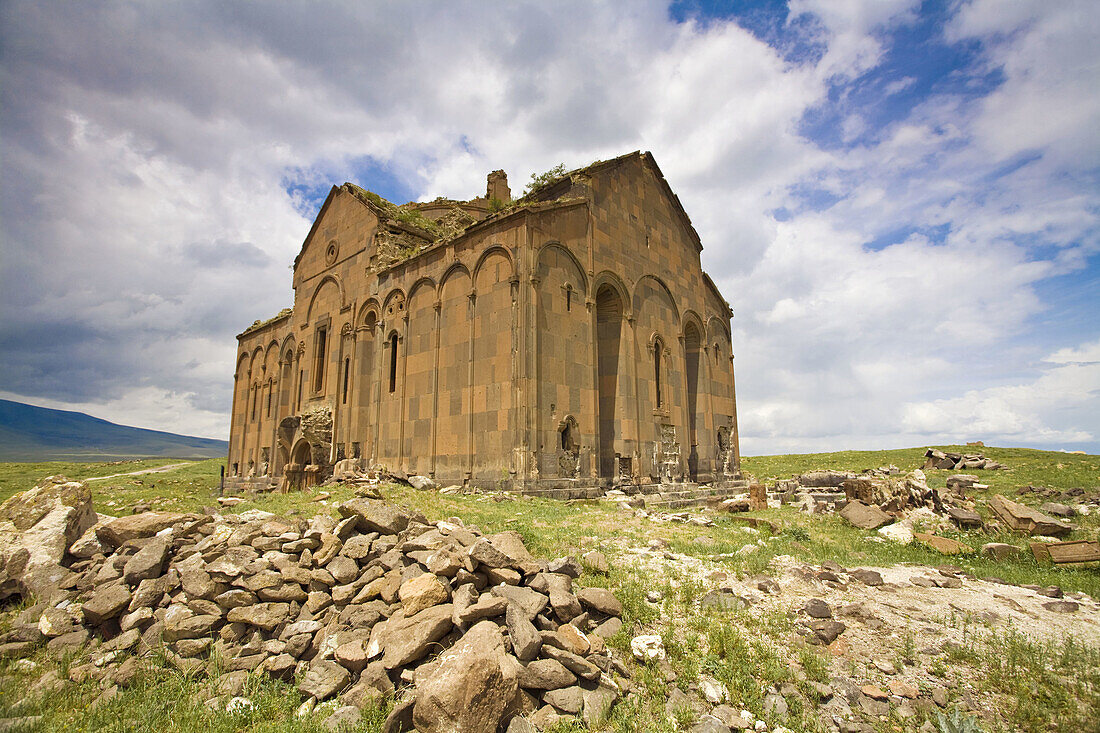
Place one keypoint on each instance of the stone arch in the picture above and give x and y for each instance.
(424, 282)
(491, 395)
(607, 278)
(567, 432)
(582, 279)
(370, 306)
(286, 374)
(493, 248)
(568, 447)
(240, 364)
(395, 302)
(453, 431)
(656, 349)
(720, 341)
(257, 359)
(452, 272)
(639, 293)
(271, 374)
(287, 347)
(393, 343)
(691, 318)
(326, 280)
(417, 358)
(301, 455)
(716, 328)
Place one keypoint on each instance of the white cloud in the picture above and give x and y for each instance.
(1085, 354)
(1066, 396)
(146, 147)
(851, 27)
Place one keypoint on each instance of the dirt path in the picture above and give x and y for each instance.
(158, 469)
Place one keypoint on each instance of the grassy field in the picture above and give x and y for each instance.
(16, 477)
(1035, 687)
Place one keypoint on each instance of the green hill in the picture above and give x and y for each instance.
(29, 433)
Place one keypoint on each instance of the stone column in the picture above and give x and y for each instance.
(383, 348)
(534, 384)
(735, 440)
(594, 393)
(277, 389)
(517, 390)
(362, 427)
(635, 455)
(471, 300)
(709, 440)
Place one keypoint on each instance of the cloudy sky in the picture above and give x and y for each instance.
(900, 200)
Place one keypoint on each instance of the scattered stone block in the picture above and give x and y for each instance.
(1025, 519)
(1000, 550)
(865, 516)
(964, 518)
(944, 545)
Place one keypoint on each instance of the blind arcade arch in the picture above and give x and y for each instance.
(555, 345)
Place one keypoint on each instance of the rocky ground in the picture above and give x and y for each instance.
(464, 631)
(889, 634)
(348, 612)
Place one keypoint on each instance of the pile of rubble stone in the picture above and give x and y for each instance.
(466, 631)
(959, 461)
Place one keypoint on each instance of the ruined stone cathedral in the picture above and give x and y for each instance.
(561, 343)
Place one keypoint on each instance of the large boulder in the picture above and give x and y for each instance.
(375, 515)
(265, 616)
(824, 479)
(323, 679)
(106, 604)
(865, 516)
(148, 562)
(422, 592)
(600, 599)
(471, 689)
(403, 640)
(136, 527)
(43, 522)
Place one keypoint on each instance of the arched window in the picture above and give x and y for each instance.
(393, 362)
(658, 348)
(347, 371)
(319, 360)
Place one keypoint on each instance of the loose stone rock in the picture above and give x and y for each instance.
(647, 648)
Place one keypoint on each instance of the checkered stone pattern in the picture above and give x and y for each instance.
(501, 342)
(492, 396)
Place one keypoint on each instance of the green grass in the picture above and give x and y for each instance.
(1036, 683)
(1032, 684)
(16, 477)
(160, 699)
(1049, 469)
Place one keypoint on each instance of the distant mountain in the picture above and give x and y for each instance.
(29, 433)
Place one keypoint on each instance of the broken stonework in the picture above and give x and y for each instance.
(865, 516)
(349, 610)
